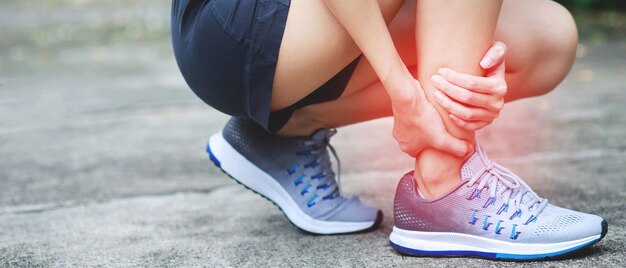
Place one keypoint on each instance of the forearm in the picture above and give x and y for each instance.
(366, 25)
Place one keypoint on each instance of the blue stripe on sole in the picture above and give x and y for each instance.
(212, 156)
(442, 253)
(488, 255)
(546, 255)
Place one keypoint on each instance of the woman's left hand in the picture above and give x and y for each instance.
(474, 101)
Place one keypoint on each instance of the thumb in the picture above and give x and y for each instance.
(452, 145)
(494, 56)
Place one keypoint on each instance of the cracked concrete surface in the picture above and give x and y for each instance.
(102, 157)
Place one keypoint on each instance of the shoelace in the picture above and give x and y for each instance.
(492, 173)
(325, 167)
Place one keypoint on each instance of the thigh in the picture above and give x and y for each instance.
(314, 48)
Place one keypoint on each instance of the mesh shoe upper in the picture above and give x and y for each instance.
(494, 203)
(303, 168)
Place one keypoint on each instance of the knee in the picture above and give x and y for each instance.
(561, 38)
(555, 45)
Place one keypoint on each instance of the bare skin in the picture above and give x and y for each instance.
(531, 70)
(438, 45)
(540, 36)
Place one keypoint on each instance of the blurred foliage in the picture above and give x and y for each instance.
(594, 4)
(44, 29)
(598, 21)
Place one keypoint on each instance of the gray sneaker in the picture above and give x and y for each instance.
(492, 214)
(294, 173)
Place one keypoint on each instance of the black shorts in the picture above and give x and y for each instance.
(227, 52)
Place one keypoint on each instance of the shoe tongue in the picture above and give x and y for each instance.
(471, 166)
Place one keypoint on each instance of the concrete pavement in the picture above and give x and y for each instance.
(102, 157)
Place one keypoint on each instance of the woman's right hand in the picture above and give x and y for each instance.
(418, 125)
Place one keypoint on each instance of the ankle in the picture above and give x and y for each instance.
(302, 123)
(437, 172)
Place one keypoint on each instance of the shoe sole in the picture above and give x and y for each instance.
(463, 245)
(240, 169)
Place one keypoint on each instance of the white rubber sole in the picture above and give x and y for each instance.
(457, 244)
(248, 174)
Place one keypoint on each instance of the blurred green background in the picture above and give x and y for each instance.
(594, 4)
(598, 20)
(33, 31)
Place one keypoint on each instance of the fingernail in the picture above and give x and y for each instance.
(442, 71)
(435, 78)
(438, 96)
(486, 62)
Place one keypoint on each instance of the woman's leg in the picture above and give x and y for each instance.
(314, 48)
(541, 37)
(453, 34)
(370, 100)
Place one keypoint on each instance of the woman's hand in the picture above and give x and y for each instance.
(474, 101)
(418, 125)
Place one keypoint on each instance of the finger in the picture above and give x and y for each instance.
(447, 143)
(461, 111)
(494, 55)
(471, 126)
(471, 82)
(460, 94)
(498, 75)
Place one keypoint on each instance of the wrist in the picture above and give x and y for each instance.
(402, 88)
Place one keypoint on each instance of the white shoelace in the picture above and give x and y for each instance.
(492, 173)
